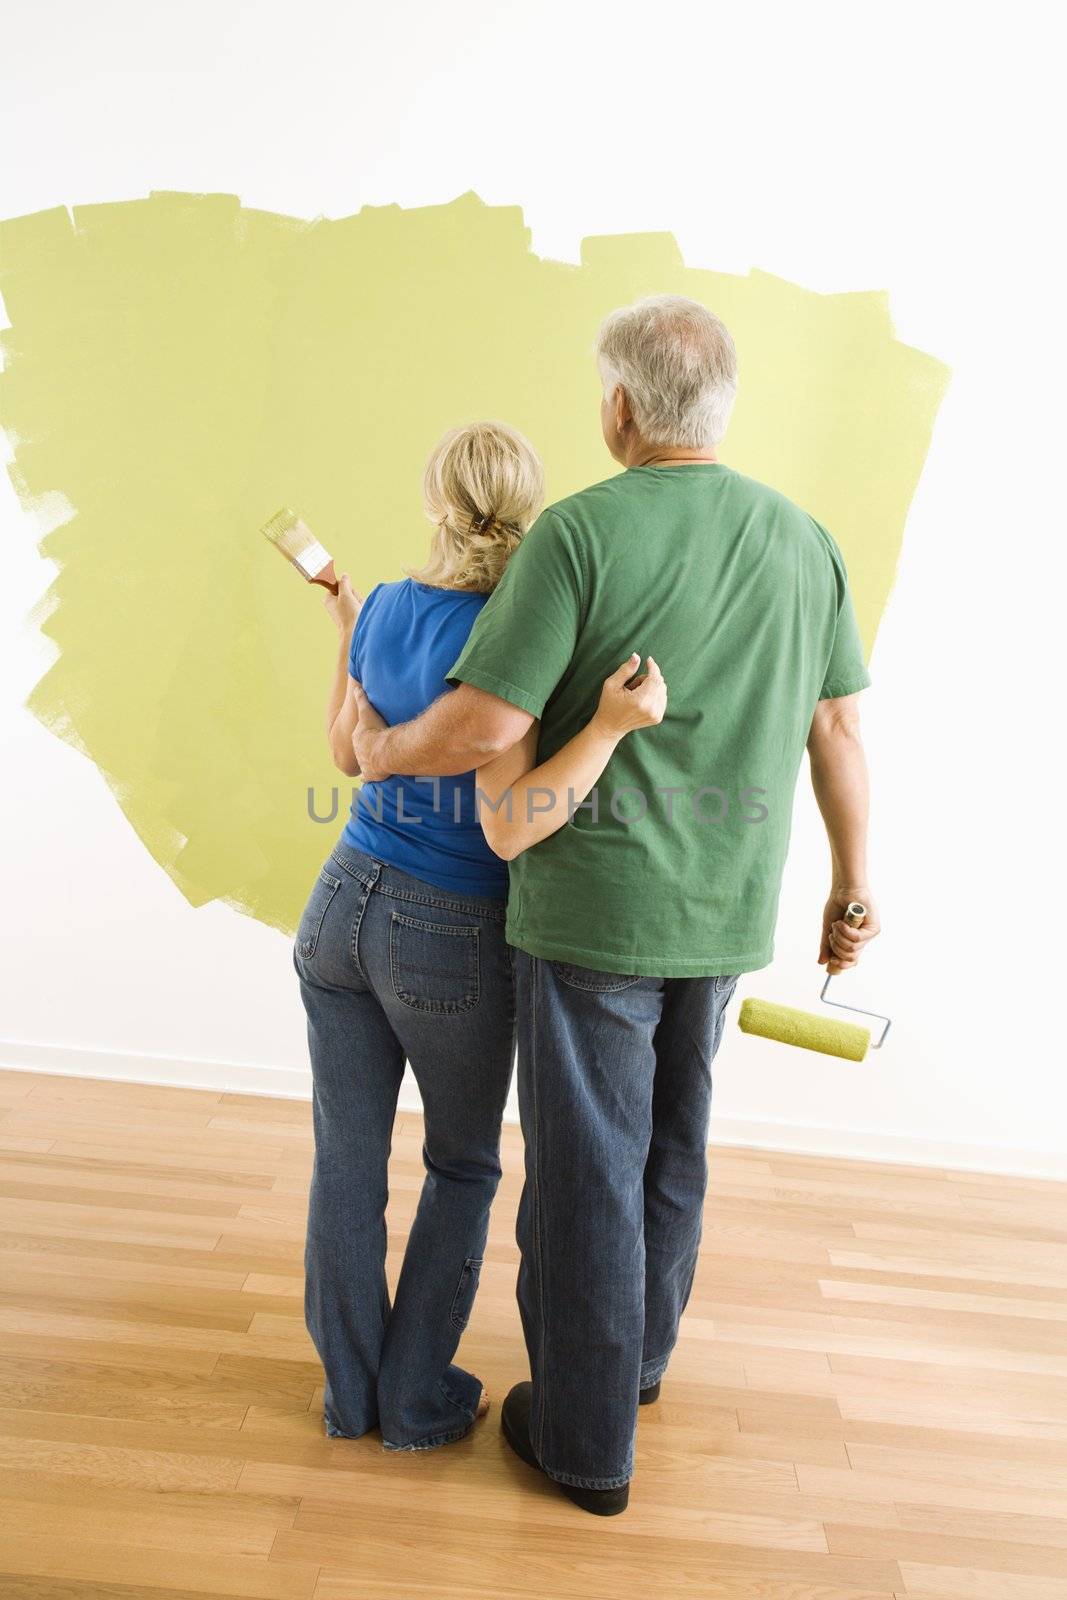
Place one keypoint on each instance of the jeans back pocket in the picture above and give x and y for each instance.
(433, 965)
(307, 934)
(592, 979)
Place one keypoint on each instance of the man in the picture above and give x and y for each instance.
(632, 922)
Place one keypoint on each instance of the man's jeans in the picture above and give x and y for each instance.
(391, 968)
(615, 1096)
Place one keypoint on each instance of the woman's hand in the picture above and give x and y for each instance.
(623, 708)
(344, 606)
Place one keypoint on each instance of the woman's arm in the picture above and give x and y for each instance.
(342, 707)
(520, 804)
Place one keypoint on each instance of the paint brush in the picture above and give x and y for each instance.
(299, 546)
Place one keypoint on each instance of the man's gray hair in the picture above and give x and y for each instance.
(678, 366)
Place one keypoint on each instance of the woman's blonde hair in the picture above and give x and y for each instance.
(483, 486)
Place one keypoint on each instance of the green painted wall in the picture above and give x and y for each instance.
(179, 367)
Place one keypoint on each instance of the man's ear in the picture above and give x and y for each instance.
(623, 415)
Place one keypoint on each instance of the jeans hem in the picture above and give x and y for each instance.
(587, 1483)
(431, 1443)
(339, 1433)
(652, 1372)
(434, 1439)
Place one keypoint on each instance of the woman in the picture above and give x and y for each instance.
(401, 956)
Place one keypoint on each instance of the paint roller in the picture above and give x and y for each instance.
(806, 1029)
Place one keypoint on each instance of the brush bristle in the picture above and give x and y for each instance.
(285, 532)
(299, 546)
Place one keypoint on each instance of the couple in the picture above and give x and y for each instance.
(646, 843)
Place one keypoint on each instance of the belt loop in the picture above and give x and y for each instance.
(357, 864)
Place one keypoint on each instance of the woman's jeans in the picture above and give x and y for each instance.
(392, 968)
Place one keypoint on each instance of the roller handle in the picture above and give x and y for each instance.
(855, 914)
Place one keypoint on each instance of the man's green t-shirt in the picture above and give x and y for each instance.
(673, 866)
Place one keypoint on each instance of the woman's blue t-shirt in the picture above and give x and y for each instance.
(406, 638)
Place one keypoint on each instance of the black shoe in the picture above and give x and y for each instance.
(515, 1422)
(649, 1396)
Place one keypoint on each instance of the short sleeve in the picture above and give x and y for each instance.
(359, 634)
(846, 671)
(524, 638)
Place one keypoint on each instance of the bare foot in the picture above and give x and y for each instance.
(483, 1404)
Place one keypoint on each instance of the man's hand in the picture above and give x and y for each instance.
(842, 945)
(368, 739)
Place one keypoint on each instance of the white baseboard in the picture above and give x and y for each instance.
(120, 1066)
(900, 1149)
(294, 1083)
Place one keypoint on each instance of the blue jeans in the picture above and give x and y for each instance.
(392, 968)
(615, 1096)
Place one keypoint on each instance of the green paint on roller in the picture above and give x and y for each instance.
(178, 366)
(803, 1028)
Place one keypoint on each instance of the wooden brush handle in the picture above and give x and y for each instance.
(327, 577)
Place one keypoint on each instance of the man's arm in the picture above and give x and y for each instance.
(515, 655)
(839, 779)
(462, 730)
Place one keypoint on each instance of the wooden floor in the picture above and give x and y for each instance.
(869, 1398)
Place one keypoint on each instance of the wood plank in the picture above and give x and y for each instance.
(868, 1400)
(924, 1582)
(936, 1549)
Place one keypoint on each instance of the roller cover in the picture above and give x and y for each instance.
(803, 1028)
